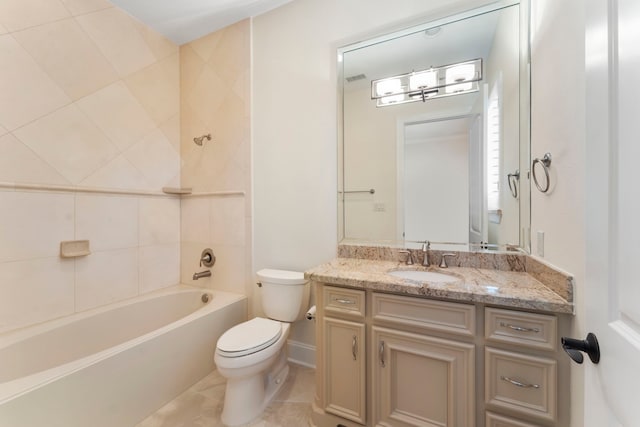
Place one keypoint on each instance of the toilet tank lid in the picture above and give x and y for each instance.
(281, 277)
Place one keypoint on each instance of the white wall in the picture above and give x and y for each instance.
(294, 121)
(558, 111)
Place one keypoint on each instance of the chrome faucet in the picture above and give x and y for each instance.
(409, 257)
(425, 251)
(202, 274)
(443, 262)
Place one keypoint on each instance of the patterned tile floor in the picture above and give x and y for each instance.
(201, 405)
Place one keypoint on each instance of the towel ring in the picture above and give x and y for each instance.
(515, 177)
(545, 162)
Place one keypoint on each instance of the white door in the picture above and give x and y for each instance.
(612, 291)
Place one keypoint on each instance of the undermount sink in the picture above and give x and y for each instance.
(423, 276)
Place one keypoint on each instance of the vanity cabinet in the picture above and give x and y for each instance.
(521, 367)
(388, 360)
(419, 379)
(343, 341)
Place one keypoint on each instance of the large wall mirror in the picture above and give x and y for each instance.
(434, 141)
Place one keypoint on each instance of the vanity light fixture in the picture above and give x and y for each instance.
(435, 82)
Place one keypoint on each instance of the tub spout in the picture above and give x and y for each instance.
(205, 273)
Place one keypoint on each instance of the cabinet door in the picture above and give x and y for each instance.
(422, 381)
(344, 379)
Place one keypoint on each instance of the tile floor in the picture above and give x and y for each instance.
(201, 405)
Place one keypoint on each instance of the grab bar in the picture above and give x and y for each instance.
(370, 191)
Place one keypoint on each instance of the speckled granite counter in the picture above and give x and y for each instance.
(499, 287)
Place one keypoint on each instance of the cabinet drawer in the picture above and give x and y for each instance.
(495, 420)
(516, 327)
(348, 302)
(426, 314)
(520, 383)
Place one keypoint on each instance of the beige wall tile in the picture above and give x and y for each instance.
(157, 88)
(119, 114)
(18, 163)
(207, 94)
(159, 266)
(27, 92)
(205, 46)
(194, 218)
(159, 45)
(108, 222)
(191, 65)
(106, 277)
(68, 141)
(68, 56)
(118, 39)
(227, 221)
(35, 224)
(35, 290)
(118, 173)
(3, 30)
(19, 14)
(3, 131)
(159, 221)
(80, 7)
(171, 129)
(155, 157)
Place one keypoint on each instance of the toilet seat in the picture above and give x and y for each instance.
(249, 337)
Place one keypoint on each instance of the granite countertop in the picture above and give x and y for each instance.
(511, 289)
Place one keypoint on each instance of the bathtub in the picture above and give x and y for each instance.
(115, 365)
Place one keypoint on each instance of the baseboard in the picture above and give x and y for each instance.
(301, 353)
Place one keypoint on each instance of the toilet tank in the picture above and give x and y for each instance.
(285, 294)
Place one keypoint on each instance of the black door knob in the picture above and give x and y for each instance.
(574, 347)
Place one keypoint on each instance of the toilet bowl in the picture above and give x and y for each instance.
(252, 355)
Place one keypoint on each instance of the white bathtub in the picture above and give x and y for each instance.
(115, 365)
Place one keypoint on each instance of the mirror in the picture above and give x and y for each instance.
(429, 153)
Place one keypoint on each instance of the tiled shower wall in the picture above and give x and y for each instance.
(90, 99)
(215, 98)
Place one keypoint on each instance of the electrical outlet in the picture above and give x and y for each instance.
(540, 243)
(379, 207)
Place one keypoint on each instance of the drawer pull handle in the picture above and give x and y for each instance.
(354, 347)
(381, 353)
(518, 383)
(519, 328)
(344, 301)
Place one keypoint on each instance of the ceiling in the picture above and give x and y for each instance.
(182, 21)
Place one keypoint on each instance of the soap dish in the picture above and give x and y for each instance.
(74, 248)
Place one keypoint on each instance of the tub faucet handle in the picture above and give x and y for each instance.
(207, 258)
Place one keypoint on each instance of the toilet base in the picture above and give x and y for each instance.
(246, 398)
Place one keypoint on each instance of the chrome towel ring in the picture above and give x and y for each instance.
(545, 162)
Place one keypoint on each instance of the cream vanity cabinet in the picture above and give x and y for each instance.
(344, 353)
(418, 379)
(389, 360)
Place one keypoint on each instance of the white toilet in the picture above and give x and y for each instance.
(252, 355)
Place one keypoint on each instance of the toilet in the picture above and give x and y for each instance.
(252, 355)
